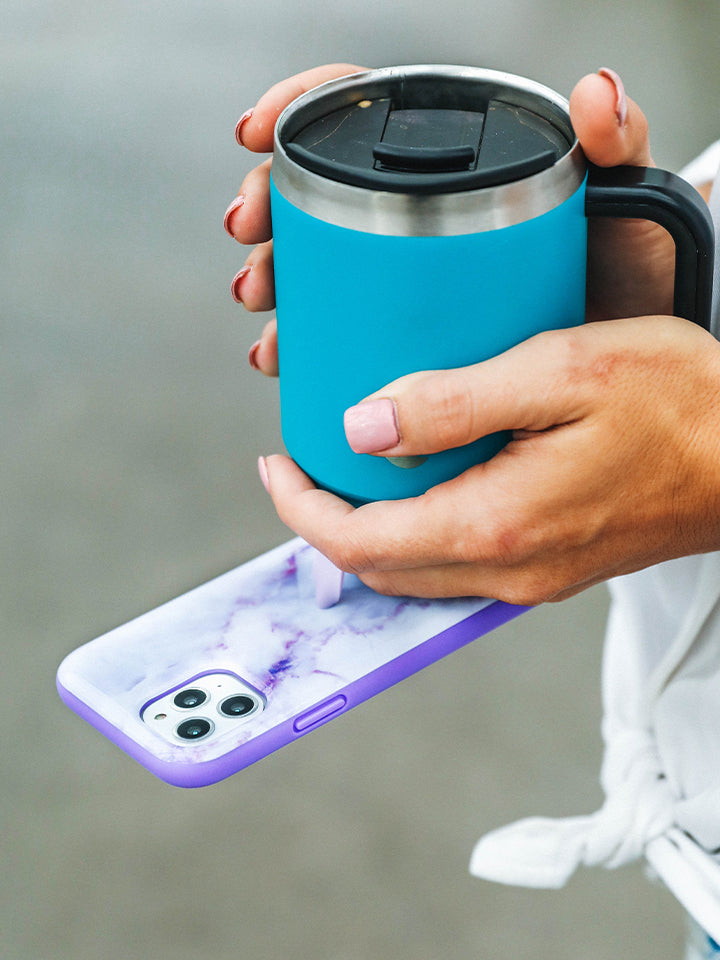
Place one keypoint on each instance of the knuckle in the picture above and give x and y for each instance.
(530, 590)
(257, 179)
(516, 561)
(451, 412)
(503, 543)
(349, 553)
(384, 584)
(569, 344)
(565, 349)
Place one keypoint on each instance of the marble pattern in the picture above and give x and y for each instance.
(261, 622)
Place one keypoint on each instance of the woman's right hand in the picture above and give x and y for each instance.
(248, 216)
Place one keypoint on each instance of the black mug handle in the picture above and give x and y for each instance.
(645, 193)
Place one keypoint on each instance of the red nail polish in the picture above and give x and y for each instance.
(235, 205)
(235, 285)
(252, 355)
(621, 98)
(239, 126)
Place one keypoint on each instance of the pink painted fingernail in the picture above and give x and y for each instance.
(235, 205)
(239, 125)
(263, 471)
(372, 426)
(235, 285)
(621, 106)
(252, 355)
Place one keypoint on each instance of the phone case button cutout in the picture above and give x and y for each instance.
(319, 713)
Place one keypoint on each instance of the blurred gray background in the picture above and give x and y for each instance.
(131, 425)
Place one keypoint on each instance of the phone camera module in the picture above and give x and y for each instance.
(190, 698)
(187, 712)
(238, 706)
(194, 729)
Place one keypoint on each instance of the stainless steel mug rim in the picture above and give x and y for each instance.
(447, 214)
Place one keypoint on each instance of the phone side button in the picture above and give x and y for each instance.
(319, 713)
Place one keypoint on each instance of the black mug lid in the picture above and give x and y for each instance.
(419, 133)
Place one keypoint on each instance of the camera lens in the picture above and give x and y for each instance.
(237, 706)
(187, 699)
(194, 729)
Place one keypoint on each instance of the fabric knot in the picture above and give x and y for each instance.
(543, 852)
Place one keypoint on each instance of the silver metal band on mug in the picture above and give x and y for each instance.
(446, 214)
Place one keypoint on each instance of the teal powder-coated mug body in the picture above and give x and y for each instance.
(431, 217)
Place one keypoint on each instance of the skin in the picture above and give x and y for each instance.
(613, 465)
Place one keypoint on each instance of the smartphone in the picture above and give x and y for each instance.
(220, 677)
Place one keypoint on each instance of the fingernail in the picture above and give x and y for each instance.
(235, 205)
(252, 355)
(263, 471)
(621, 98)
(371, 426)
(235, 285)
(239, 126)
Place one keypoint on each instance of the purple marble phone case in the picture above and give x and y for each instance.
(260, 622)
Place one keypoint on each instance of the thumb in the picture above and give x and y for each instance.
(611, 128)
(524, 389)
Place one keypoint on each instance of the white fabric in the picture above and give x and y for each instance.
(661, 728)
(694, 878)
(704, 167)
(699, 946)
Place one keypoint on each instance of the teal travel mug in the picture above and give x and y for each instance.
(431, 217)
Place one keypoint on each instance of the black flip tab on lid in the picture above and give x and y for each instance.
(415, 141)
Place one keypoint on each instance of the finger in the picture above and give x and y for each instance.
(462, 580)
(611, 127)
(346, 536)
(522, 586)
(629, 261)
(247, 219)
(299, 502)
(438, 528)
(263, 354)
(393, 546)
(531, 387)
(254, 285)
(255, 128)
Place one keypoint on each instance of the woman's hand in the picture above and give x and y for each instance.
(630, 263)
(248, 216)
(613, 467)
(614, 456)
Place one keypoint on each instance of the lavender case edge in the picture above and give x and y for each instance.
(283, 569)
